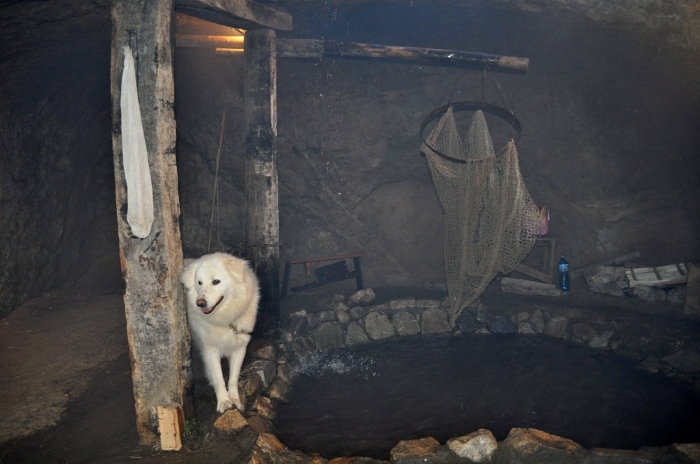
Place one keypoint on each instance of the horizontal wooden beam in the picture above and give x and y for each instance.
(315, 48)
(244, 14)
(209, 41)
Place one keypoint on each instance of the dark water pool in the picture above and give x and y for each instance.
(363, 401)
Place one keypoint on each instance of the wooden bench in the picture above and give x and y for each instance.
(328, 274)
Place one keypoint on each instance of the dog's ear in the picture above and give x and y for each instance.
(235, 267)
(187, 276)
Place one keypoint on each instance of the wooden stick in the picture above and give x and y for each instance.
(313, 48)
(534, 273)
(528, 287)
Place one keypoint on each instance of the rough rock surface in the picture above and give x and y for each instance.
(435, 321)
(405, 323)
(536, 446)
(378, 326)
(478, 446)
(231, 421)
(363, 297)
(422, 447)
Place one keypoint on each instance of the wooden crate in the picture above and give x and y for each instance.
(662, 276)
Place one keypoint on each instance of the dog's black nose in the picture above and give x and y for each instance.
(202, 303)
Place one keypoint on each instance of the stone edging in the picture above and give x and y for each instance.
(340, 323)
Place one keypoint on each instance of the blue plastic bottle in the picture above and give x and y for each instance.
(564, 275)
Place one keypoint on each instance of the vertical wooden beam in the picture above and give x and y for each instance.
(159, 341)
(262, 226)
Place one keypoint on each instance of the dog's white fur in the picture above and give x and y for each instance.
(226, 288)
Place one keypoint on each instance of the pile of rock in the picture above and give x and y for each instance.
(612, 281)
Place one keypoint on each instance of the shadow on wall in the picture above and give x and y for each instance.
(58, 219)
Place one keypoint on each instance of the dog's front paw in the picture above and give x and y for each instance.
(224, 406)
(238, 404)
(235, 397)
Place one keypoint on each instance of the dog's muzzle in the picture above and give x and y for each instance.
(202, 304)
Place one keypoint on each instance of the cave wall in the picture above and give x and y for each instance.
(57, 221)
(610, 110)
(610, 139)
(610, 136)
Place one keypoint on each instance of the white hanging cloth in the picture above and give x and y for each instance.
(139, 190)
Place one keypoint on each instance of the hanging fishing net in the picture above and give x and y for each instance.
(491, 223)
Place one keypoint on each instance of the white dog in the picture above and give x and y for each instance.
(222, 303)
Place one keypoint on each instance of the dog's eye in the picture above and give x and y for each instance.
(216, 281)
(199, 282)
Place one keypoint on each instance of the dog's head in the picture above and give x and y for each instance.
(211, 279)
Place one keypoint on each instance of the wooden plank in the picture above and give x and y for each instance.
(157, 332)
(528, 287)
(262, 220)
(171, 425)
(534, 273)
(244, 14)
(316, 48)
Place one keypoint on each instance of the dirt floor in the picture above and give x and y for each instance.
(66, 388)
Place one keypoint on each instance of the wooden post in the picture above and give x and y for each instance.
(262, 221)
(159, 341)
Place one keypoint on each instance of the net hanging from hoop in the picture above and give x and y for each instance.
(491, 222)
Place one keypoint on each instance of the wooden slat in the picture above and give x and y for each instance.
(534, 273)
(244, 14)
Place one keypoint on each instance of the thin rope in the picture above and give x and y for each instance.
(215, 194)
(499, 90)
